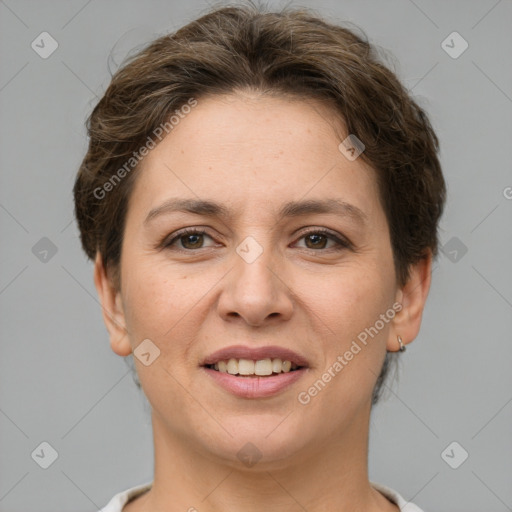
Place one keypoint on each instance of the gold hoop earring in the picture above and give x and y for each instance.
(402, 346)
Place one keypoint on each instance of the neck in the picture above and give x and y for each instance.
(328, 476)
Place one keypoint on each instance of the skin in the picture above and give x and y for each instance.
(252, 154)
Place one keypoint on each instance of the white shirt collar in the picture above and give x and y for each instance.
(117, 503)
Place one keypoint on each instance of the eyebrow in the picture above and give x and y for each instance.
(290, 209)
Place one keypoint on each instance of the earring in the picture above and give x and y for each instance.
(402, 346)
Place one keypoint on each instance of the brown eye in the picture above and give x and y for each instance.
(318, 241)
(195, 241)
(319, 238)
(189, 239)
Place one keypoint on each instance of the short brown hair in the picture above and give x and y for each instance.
(290, 52)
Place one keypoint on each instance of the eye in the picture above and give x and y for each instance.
(190, 239)
(318, 238)
(193, 238)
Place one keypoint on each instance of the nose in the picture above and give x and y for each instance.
(256, 291)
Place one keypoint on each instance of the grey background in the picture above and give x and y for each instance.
(60, 382)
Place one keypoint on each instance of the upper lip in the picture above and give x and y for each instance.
(255, 354)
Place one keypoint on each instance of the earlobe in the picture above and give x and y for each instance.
(112, 309)
(412, 296)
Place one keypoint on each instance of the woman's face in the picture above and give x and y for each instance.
(255, 279)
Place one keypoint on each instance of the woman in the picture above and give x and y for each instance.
(261, 198)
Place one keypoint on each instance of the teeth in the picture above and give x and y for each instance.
(277, 365)
(245, 367)
(233, 367)
(261, 367)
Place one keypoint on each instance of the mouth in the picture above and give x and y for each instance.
(254, 368)
(255, 372)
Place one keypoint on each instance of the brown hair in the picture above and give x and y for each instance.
(291, 52)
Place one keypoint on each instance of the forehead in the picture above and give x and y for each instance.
(254, 151)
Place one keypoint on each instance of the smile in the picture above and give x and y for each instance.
(251, 385)
(248, 368)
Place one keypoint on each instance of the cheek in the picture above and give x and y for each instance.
(157, 307)
(152, 299)
(352, 309)
(352, 299)
(166, 305)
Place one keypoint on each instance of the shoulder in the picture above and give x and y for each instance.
(391, 494)
(117, 503)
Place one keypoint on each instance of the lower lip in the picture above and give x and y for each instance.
(255, 387)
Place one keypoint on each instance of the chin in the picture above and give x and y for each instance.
(261, 442)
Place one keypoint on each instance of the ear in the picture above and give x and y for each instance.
(412, 296)
(112, 309)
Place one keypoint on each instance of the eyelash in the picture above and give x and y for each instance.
(341, 244)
